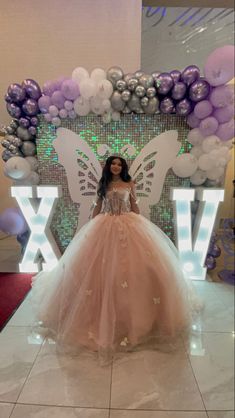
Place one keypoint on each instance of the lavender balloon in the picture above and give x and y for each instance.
(193, 121)
(190, 74)
(49, 87)
(12, 222)
(176, 75)
(30, 107)
(219, 67)
(34, 121)
(224, 114)
(199, 90)
(226, 130)
(203, 109)
(32, 88)
(44, 103)
(14, 110)
(208, 126)
(179, 90)
(70, 89)
(167, 105)
(58, 99)
(222, 96)
(16, 92)
(164, 83)
(184, 107)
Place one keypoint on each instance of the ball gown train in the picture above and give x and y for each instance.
(118, 285)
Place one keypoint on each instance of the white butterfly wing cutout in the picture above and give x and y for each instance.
(82, 168)
(150, 167)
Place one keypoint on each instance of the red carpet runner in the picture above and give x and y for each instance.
(13, 289)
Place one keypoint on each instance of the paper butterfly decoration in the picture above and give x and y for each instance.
(83, 169)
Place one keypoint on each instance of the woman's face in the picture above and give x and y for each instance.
(116, 167)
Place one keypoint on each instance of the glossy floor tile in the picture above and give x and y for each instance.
(5, 409)
(35, 411)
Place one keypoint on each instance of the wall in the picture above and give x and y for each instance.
(45, 39)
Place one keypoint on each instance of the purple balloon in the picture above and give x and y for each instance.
(58, 99)
(59, 81)
(226, 130)
(49, 87)
(210, 262)
(219, 67)
(193, 121)
(203, 109)
(30, 107)
(63, 113)
(12, 222)
(70, 89)
(178, 91)
(164, 83)
(14, 110)
(34, 121)
(167, 105)
(32, 88)
(208, 126)
(214, 250)
(224, 114)
(72, 114)
(7, 98)
(16, 92)
(53, 110)
(47, 117)
(24, 122)
(44, 103)
(175, 74)
(190, 74)
(32, 130)
(222, 96)
(199, 90)
(184, 107)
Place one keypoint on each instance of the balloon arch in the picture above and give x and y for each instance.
(206, 101)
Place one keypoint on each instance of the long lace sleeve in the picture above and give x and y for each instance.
(133, 199)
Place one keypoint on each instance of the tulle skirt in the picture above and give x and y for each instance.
(118, 286)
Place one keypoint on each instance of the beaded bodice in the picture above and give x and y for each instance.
(117, 201)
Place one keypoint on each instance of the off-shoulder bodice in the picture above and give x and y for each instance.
(117, 201)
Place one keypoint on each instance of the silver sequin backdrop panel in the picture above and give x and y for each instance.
(136, 130)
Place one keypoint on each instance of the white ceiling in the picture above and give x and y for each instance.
(174, 37)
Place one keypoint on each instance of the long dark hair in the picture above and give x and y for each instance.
(107, 175)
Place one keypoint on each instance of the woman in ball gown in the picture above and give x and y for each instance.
(119, 284)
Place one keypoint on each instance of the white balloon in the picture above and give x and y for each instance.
(33, 163)
(211, 143)
(81, 106)
(79, 74)
(228, 144)
(116, 116)
(199, 177)
(196, 151)
(106, 105)
(185, 165)
(105, 89)
(221, 162)
(195, 137)
(224, 151)
(88, 88)
(17, 168)
(31, 180)
(98, 74)
(106, 117)
(96, 105)
(205, 162)
(215, 173)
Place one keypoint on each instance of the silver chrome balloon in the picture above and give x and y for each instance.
(116, 101)
(28, 148)
(121, 85)
(146, 81)
(132, 84)
(126, 95)
(151, 92)
(140, 91)
(114, 74)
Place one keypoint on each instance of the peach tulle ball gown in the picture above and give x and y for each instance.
(117, 286)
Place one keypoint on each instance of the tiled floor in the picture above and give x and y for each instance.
(195, 381)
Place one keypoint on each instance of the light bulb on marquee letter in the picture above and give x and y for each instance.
(38, 219)
(193, 247)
